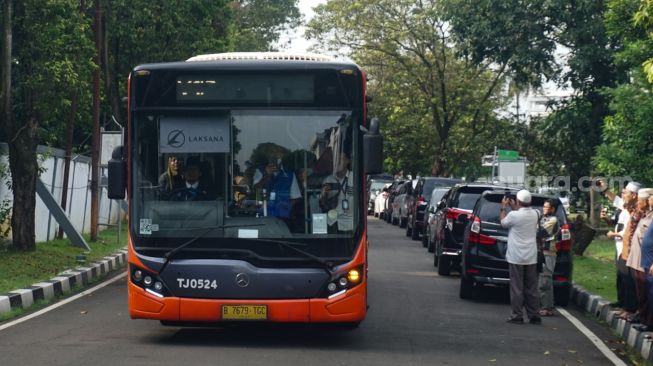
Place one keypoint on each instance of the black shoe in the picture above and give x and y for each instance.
(642, 328)
(535, 320)
(515, 320)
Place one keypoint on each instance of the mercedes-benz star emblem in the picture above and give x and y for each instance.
(176, 138)
(242, 280)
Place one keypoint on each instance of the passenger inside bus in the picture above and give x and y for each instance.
(193, 189)
(277, 186)
(338, 195)
(171, 179)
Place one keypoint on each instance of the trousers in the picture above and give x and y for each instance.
(523, 290)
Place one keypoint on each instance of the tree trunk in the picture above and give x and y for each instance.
(5, 91)
(24, 170)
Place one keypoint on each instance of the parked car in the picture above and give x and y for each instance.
(432, 206)
(484, 248)
(416, 203)
(448, 225)
(393, 190)
(399, 208)
(374, 188)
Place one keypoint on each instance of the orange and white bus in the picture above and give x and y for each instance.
(244, 174)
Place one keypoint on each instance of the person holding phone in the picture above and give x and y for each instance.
(280, 186)
(626, 297)
(521, 255)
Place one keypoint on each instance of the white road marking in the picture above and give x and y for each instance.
(593, 338)
(62, 302)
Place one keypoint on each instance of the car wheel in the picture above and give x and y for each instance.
(561, 296)
(414, 233)
(425, 238)
(402, 222)
(431, 246)
(394, 221)
(444, 265)
(466, 288)
(409, 231)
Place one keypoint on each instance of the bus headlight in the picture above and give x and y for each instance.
(342, 282)
(137, 275)
(148, 281)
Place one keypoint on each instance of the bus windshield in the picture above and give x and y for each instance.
(249, 174)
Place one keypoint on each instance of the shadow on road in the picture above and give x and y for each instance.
(262, 335)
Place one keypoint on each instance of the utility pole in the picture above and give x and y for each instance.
(69, 152)
(95, 145)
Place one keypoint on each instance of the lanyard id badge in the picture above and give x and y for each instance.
(343, 188)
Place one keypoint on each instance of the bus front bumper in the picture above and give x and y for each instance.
(348, 307)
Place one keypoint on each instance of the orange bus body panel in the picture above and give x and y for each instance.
(350, 307)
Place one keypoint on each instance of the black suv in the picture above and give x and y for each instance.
(419, 199)
(448, 224)
(484, 249)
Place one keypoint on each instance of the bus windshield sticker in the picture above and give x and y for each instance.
(319, 223)
(145, 227)
(194, 135)
(248, 233)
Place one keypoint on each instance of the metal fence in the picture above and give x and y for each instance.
(78, 206)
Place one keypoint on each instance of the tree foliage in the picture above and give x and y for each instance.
(52, 63)
(427, 87)
(258, 24)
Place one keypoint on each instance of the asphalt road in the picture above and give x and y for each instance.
(415, 318)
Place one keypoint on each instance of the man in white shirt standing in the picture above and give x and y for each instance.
(521, 256)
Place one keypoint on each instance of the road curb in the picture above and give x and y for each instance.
(641, 342)
(64, 282)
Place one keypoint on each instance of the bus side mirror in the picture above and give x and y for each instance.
(373, 149)
(117, 175)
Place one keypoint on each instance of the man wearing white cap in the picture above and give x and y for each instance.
(626, 297)
(521, 256)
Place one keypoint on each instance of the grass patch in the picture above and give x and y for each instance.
(22, 269)
(595, 270)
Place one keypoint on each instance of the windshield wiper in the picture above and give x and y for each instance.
(328, 266)
(168, 256)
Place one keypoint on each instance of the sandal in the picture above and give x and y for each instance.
(545, 312)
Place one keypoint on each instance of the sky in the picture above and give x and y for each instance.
(297, 41)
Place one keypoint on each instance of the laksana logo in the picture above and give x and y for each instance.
(176, 138)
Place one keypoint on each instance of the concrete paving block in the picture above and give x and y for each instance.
(76, 280)
(26, 297)
(621, 327)
(5, 305)
(106, 267)
(48, 289)
(645, 350)
(86, 272)
(65, 284)
(632, 337)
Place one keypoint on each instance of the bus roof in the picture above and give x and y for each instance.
(252, 60)
(285, 56)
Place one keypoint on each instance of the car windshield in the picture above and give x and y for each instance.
(378, 185)
(260, 174)
(466, 197)
(489, 210)
(437, 194)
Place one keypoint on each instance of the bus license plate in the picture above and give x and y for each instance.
(244, 312)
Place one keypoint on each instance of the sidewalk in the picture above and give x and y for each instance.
(63, 283)
(641, 342)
